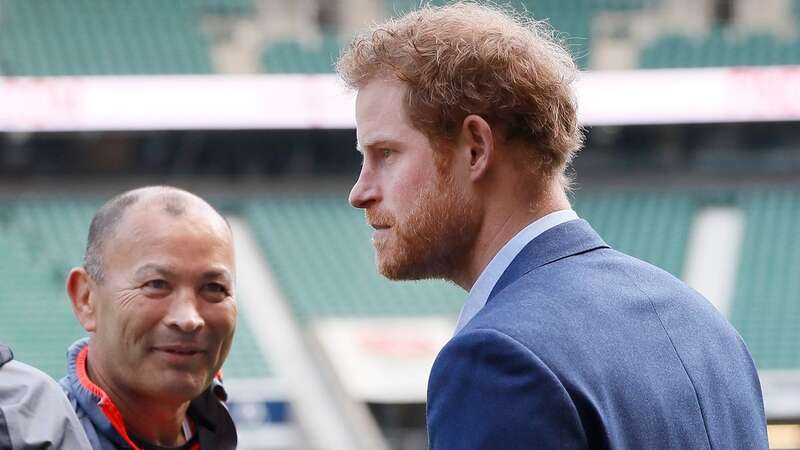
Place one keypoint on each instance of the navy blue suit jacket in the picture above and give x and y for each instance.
(580, 346)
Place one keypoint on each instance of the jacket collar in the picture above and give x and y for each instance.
(561, 241)
(215, 425)
(97, 405)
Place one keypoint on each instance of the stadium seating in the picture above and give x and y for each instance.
(720, 48)
(40, 240)
(96, 37)
(766, 310)
(572, 19)
(653, 226)
(292, 56)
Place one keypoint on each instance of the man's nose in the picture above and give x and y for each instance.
(183, 313)
(365, 191)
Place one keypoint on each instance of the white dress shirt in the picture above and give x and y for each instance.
(480, 291)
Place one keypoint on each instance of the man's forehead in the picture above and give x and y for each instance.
(173, 260)
(381, 92)
(145, 233)
(381, 115)
(159, 228)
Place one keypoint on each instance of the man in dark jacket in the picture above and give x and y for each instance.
(34, 413)
(156, 296)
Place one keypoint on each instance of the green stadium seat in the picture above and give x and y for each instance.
(226, 7)
(765, 309)
(104, 37)
(624, 5)
(719, 48)
(572, 19)
(291, 56)
(667, 51)
(652, 226)
(36, 318)
(113, 37)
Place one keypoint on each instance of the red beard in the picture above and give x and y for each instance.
(434, 240)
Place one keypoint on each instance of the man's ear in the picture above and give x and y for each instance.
(477, 139)
(80, 287)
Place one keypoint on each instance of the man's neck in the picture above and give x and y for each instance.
(160, 426)
(155, 421)
(503, 221)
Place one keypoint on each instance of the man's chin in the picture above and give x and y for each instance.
(392, 273)
(181, 386)
(388, 265)
(390, 269)
(395, 270)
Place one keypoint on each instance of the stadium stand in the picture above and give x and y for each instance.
(37, 239)
(629, 221)
(765, 309)
(40, 240)
(292, 56)
(578, 20)
(720, 49)
(92, 37)
(572, 19)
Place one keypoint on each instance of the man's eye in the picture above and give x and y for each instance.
(156, 284)
(217, 288)
(386, 152)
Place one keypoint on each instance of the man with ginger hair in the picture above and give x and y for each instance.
(156, 296)
(466, 120)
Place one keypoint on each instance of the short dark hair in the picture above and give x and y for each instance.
(102, 227)
(106, 219)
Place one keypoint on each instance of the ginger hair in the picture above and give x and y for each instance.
(466, 58)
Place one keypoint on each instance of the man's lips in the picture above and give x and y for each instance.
(180, 349)
(380, 230)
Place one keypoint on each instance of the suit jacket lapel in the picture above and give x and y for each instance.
(561, 241)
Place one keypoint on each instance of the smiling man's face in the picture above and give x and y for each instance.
(165, 310)
(424, 224)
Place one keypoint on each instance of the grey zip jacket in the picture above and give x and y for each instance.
(34, 412)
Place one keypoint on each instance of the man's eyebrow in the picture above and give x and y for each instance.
(167, 272)
(212, 274)
(377, 143)
(152, 267)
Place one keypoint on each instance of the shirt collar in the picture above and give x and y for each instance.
(491, 273)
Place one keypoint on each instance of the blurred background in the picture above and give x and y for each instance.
(692, 162)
